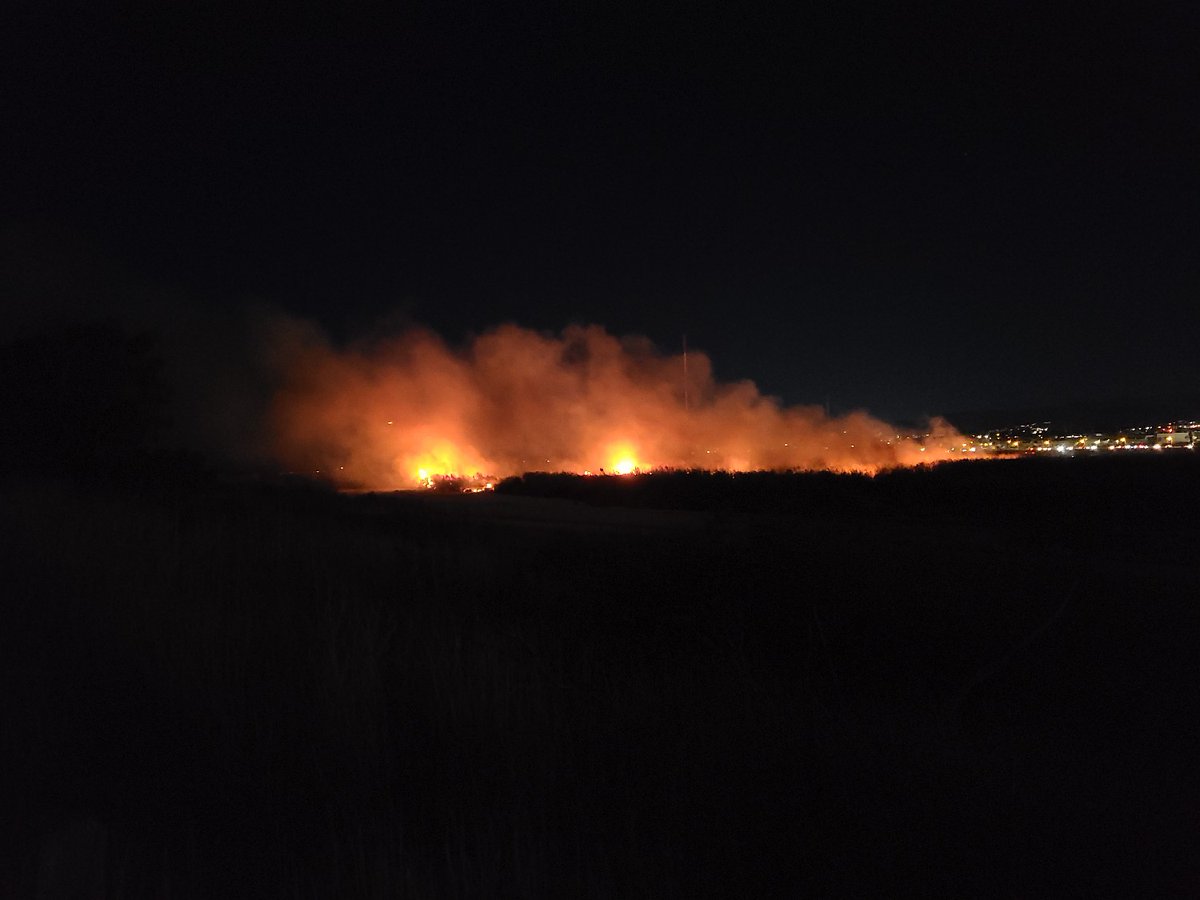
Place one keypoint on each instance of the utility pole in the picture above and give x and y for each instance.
(685, 375)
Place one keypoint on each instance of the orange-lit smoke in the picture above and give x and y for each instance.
(394, 413)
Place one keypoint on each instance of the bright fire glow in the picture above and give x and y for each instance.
(411, 411)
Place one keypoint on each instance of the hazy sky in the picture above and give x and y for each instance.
(915, 210)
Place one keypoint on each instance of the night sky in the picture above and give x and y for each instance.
(912, 209)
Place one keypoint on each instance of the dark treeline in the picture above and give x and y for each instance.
(90, 401)
(1117, 489)
(83, 397)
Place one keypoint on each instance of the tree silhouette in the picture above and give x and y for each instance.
(81, 399)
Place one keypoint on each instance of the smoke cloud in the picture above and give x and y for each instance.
(392, 413)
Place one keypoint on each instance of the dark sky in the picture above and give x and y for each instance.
(913, 209)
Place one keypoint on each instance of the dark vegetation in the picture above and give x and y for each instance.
(974, 680)
(88, 400)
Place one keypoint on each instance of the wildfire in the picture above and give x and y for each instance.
(623, 459)
(411, 411)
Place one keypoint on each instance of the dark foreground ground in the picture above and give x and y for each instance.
(971, 681)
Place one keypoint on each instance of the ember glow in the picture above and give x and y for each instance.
(411, 411)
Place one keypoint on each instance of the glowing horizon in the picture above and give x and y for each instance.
(406, 410)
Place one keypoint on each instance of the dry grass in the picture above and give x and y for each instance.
(288, 693)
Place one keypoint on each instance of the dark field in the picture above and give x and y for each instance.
(976, 680)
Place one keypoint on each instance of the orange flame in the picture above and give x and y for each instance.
(403, 411)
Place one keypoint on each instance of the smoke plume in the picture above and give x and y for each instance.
(396, 412)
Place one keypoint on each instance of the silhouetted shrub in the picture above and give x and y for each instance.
(84, 399)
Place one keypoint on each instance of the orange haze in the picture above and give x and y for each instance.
(397, 412)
